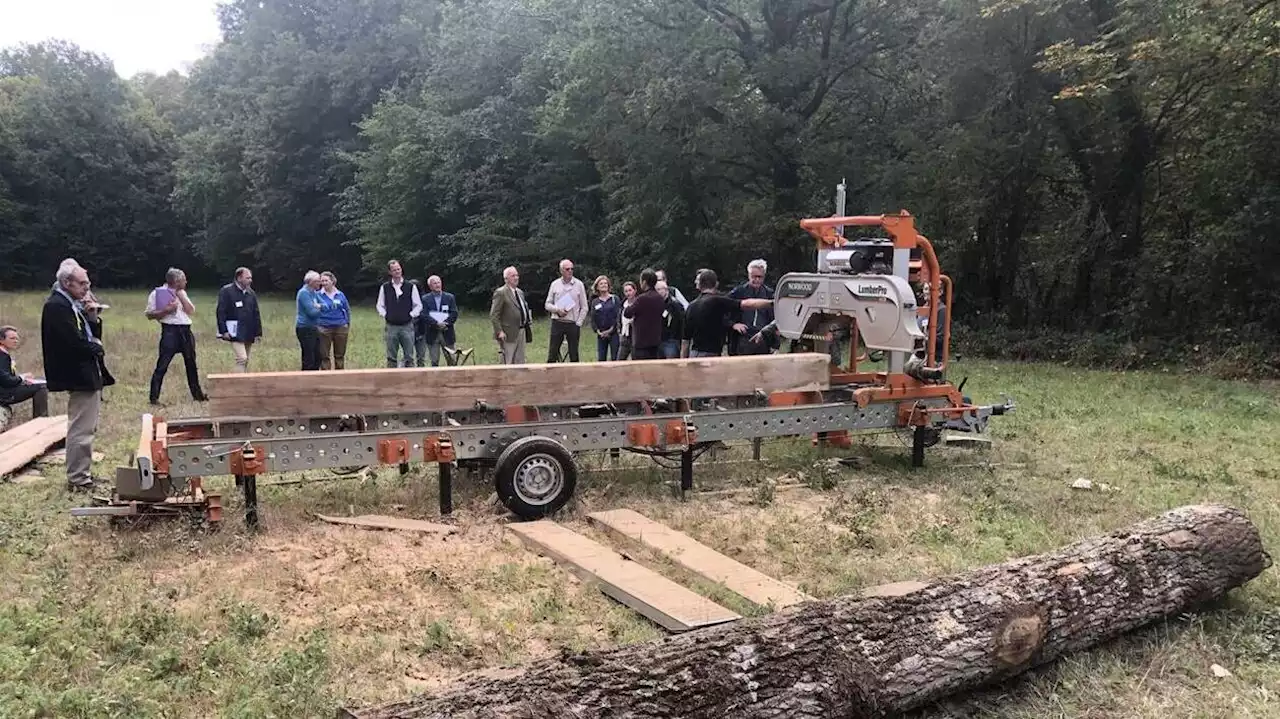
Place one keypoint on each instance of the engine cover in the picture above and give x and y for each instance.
(883, 306)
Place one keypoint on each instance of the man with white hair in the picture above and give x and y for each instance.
(308, 320)
(511, 319)
(743, 343)
(567, 303)
(71, 339)
(169, 305)
(436, 325)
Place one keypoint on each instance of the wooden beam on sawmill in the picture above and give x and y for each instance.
(442, 389)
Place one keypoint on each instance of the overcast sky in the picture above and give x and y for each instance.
(138, 35)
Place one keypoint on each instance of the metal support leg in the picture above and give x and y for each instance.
(446, 489)
(686, 473)
(917, 446)
(755, 448)
(250, 484)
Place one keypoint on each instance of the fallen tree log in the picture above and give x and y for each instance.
(442, 389)
(881, 655)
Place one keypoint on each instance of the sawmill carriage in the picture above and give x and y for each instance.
(525, 424)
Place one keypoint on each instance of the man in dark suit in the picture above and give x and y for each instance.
(509, 314)
(239, 320)
(71, 334)
(436, 323)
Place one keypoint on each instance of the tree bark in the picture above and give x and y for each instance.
(873, 656)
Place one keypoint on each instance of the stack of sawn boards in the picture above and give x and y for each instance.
(28, 441)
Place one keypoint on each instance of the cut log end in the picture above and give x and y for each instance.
(893, 650)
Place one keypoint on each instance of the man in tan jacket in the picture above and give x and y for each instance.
(511, 319)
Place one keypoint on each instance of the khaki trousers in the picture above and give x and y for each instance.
(82, 423)
(513, 352)
(242, 350)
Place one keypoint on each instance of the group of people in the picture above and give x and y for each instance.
(651, 320)
(74, 362)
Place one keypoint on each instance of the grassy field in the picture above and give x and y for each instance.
(305, 616)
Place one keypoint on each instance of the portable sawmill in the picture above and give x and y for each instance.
(869, 296)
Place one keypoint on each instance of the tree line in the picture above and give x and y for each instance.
(1082, 166)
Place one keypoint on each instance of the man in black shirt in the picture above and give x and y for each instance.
(704, 327)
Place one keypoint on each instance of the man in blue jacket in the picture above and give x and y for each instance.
(308, 320)
(435, 326)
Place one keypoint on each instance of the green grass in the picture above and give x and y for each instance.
(298, 619)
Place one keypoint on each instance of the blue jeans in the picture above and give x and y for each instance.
(607, 347)
(399, 339)
(669, 349)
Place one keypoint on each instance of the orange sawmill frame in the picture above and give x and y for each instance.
(899, 387)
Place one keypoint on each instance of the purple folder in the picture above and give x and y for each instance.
(164, 296)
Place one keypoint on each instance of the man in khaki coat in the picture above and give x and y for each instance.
(511, 319)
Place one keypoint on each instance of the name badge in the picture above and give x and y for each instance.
(599, 305)
(665, 313)
(240, 304)
(444, 308)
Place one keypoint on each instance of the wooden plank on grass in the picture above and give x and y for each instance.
(49, 432)
(375, 391)
(378, 521)
(23, 432)
(661, 600)
(699, 558)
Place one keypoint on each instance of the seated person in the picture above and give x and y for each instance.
(16, 388)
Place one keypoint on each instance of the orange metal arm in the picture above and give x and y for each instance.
(931, 263)
(901, 227)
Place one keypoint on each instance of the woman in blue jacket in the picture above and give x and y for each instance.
(606, 310)
(307, 323)
(335, 323)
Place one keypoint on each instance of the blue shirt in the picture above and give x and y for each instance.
(334, 311)
(605, 313)
(308, 313)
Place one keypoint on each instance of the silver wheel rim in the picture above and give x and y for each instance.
(539, 479)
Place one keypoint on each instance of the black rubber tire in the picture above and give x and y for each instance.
(536, 454)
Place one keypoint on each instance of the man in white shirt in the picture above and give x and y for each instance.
(567, 303)
(399, 304)
(169, 305)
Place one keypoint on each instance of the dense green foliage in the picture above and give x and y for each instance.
(1081, 165)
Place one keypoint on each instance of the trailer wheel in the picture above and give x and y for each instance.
(536, 476)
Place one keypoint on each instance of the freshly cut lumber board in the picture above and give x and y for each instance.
(661, 600)
(379, 521)
(26, 443)
(699, 558)
(437, 389)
